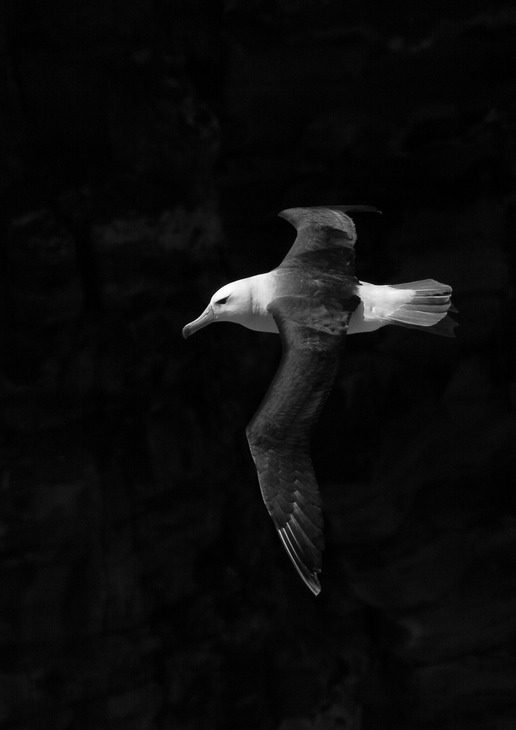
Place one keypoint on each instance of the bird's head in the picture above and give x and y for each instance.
(231, 303)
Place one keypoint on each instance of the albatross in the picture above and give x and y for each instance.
(313, 300)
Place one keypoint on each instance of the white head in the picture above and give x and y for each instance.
(232, 303)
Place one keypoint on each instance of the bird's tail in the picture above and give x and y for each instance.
(425, 307)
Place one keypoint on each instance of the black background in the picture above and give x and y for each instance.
(146, 148)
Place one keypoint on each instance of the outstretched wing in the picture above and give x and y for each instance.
(323, 227)
(279, 433)
(316, 293)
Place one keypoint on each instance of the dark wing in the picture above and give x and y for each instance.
(279, 433)
(323, 227)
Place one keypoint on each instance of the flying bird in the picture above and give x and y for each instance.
(313, 299)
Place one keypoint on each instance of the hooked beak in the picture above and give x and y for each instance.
(206, 317)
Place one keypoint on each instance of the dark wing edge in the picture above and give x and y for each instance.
(296, 513)
(334, 216)
(298, 558)
(322, 226)
(279, 436)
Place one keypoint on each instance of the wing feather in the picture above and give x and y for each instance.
(309, 577)
(323, 227)
(279, 436)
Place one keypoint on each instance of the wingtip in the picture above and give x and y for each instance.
(314, 585)
(311, 581)
(308, 576)
(328, 215)
(353, 208)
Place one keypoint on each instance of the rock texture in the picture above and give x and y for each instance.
(146, 149)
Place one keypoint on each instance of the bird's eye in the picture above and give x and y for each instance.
(222, 301)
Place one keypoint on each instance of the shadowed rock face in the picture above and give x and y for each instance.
(141, 583)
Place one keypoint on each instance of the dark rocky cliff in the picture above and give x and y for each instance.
(146, 148)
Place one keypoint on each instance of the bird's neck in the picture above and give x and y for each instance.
(262, 293)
